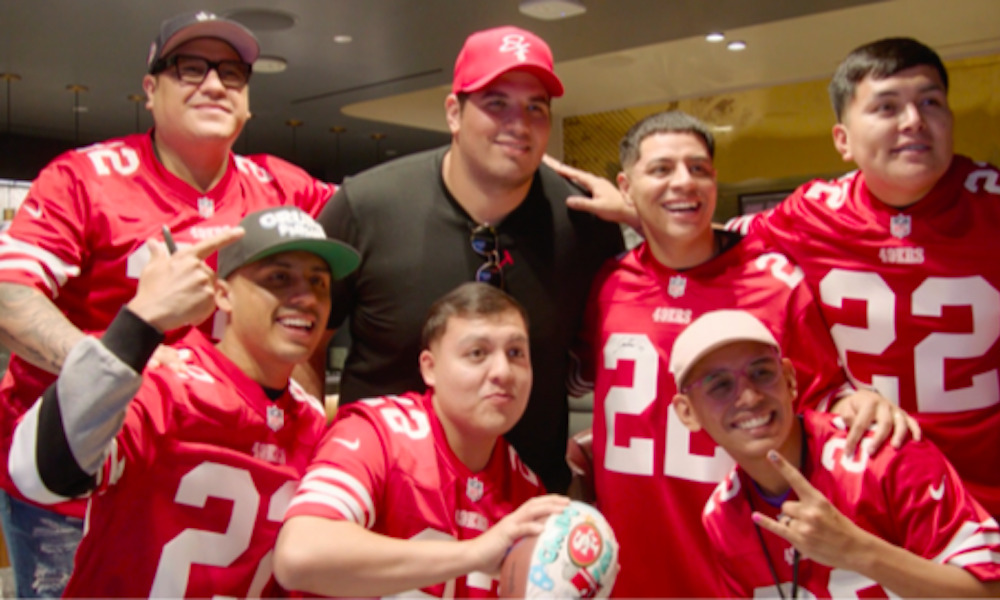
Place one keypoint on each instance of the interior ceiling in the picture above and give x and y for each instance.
(392, 78)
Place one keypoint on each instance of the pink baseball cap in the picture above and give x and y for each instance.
(489, 54)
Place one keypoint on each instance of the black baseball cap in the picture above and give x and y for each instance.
(285, 229)
(202, 24)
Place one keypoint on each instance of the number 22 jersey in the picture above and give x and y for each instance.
(653, 476)
(912, 299)
(80, 237)
(209, 462)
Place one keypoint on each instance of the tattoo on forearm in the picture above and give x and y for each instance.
(32, 327)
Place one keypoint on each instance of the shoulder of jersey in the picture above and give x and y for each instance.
(301, 395)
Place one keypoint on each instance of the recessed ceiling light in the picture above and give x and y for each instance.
(736, 45)
(550, 10)
(270, 64)
(343, 39)
(715, 37)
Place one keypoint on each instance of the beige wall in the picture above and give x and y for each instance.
(780, 136)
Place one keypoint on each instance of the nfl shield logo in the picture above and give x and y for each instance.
(676, 286)
(899, 226)
(275, 418)
(474, 489)
(206, 207)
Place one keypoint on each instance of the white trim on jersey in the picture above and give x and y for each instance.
(316, 488)
(299, 394)
(971, 545)
(62, 271)
(33, 267)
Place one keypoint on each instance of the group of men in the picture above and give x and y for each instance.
(695, 338)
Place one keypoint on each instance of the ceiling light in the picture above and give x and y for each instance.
(270, 64)
(343, 39)
(736, 45)
(550, 10)
(715, 37)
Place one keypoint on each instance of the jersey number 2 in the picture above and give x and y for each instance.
(930, 356)
(636, 456)
(193, 546)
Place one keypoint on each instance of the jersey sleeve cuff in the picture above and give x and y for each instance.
(131, 339)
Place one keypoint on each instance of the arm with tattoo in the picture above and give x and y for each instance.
(33, 328)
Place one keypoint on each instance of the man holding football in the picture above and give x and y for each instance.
(420, 491)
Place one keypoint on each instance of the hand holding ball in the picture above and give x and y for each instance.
(576, 556)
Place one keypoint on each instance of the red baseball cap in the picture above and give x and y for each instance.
(489, 54)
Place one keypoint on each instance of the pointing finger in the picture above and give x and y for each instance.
(205, 248)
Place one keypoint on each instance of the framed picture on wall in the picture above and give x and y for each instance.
(755, 203)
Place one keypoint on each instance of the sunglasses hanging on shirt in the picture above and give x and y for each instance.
(485, 243)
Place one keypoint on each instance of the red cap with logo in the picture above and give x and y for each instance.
(489, 54)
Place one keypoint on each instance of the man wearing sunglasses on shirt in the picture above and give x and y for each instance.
(798, 516)
(73, 255)
(481, 208)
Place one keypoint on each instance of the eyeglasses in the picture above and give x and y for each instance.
(233, 74)
(723, 385)
(485, 243)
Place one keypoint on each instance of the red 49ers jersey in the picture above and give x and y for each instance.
(910, 497)
(192, 495)
(912, 298)
(652, 475)
(80, 235)
(386, 465)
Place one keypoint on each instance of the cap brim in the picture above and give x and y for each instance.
(547, 78)
(234, 35)
(341, 258)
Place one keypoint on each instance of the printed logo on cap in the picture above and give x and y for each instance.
(514, 42)
(292, 223)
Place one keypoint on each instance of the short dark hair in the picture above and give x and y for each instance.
(880, 59)
(671, 121)
(469, 300)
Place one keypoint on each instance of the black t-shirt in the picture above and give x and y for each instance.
(414, 243)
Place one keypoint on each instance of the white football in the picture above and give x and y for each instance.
(575, 556)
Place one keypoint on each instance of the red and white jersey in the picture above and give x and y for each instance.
(652, 475)
(911, 497)
(80, 235)
(386, 464)
(192, 495)
(912, 298)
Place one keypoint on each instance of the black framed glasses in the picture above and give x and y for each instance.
(486, 244)
(234, 74)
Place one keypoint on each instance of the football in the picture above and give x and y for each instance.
(575, 556)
